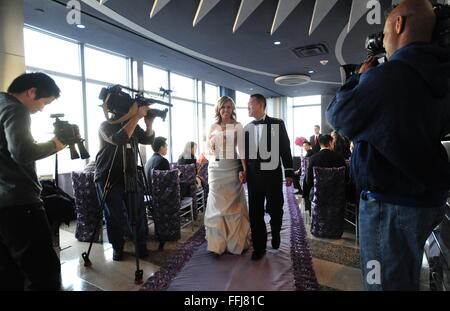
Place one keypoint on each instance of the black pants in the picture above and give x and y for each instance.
(27, 258)
(264, 186)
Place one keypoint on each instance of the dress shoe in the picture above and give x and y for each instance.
(117, 254)
(258, 255)
(275, 241)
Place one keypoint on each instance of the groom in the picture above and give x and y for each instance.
(266, 141)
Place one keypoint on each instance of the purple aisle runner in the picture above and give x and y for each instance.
(193, 268)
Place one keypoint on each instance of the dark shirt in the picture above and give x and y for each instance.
(112, 136)
(19, 184)
(325, 158)
(388, 109)
(157, 162)
(315, 146)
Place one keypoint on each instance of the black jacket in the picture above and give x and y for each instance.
(388, 110)
(262, 159)
(19, 184)
(315, 147)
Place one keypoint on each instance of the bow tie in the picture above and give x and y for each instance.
(258, 122)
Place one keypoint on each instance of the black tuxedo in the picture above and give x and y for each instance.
(315, 147)
(266, 183)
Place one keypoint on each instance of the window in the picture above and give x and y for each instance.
(211, 94)
(107, 67)
(306, 114)
(242, 99)
(95, 116)
(182, 87)
(307, 100)
(183, 126)
(154, 79)
(51, 53)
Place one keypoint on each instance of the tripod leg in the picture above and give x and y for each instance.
(85, 255)
(133, 210)
(108, 186)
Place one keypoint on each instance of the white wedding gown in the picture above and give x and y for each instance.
(226, 217)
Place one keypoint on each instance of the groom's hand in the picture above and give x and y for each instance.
(289, 181)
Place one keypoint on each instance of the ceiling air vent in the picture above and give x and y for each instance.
(311, 50)
(292, 80)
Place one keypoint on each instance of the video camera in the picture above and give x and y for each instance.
(69, 134)
(120, 102)
(374, 43)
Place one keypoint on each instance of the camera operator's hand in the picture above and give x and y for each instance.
(368, 64)
(142, 111)
(58, 144)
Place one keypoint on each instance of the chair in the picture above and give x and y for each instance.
(328, 204)
(351, 216)
(168, 209)
(89, 215)
(187, 177)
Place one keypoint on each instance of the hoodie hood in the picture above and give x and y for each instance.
(431, 62)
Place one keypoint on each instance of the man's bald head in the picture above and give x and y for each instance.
(411, 21)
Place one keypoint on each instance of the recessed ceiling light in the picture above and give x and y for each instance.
(81, 26)
(324, 61)
(277, 43)
(251, 89)
(311, 71)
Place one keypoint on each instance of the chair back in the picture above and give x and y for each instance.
(87, 207)
(166, 204)
(188, 180)
(328, 204)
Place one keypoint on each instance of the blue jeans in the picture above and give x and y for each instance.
(392, 239)
(119, 217)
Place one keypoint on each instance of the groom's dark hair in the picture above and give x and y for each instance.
(260, 98)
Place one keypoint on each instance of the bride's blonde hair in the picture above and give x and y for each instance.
(220, 103)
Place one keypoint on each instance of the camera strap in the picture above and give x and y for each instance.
(131, 112)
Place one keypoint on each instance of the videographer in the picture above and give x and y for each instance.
(118, 216)
(387, 110)
(27, 258)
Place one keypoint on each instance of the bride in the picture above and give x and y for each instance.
(226, 217)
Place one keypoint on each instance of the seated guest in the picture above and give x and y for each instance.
(157, 161)
(308, 149)
(326, 157)
(188, 155)
(341, 145)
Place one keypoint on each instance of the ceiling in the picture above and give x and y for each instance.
(245, 59)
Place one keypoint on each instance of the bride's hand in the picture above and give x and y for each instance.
(243, 177)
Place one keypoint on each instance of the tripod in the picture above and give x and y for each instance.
(131, 185)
